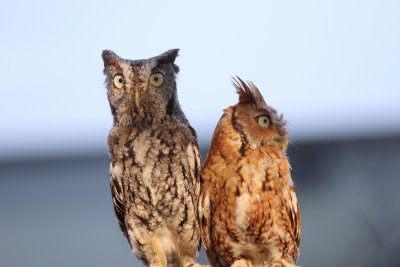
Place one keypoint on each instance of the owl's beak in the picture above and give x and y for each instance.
(136, 91)
(137, 99)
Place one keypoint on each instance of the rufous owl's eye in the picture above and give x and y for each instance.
(118, 81)
(157, 79)
(263, 121)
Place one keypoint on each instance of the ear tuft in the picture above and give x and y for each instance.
(168, 57)
(109, 57)
(248, 92)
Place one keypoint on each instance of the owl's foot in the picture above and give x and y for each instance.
(241, 263)
(156, 262)
(198, 265)
(283, 263)
(189, 262)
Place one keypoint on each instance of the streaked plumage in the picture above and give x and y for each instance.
(155, 162)
(248, 210)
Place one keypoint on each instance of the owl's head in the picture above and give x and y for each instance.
(257, 123)
(139, 86)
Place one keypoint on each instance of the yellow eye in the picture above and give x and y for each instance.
(263, 121)
(156, 79)
(118, 81)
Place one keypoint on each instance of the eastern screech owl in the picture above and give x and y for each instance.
(248, 210)
(155, 164)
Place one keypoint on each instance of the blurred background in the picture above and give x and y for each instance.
(332, 68)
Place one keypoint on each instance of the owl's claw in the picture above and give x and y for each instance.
(242, 263)
(283, 263)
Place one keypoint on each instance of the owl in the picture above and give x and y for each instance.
(248, 210)
(155, 163)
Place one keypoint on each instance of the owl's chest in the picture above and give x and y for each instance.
(141, 147)
(151, 162)
(250, 194)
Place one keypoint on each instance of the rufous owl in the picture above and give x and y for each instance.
(248, 210)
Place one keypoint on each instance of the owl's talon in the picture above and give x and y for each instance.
(241, 263)
(283, 263)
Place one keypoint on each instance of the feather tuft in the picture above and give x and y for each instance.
(109, 57)
(248, 92)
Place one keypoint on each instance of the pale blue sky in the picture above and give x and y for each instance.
(332, 67)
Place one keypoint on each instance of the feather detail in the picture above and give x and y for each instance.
(118, 201)
(248, 92)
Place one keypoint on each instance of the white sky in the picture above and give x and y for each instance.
(332, 67)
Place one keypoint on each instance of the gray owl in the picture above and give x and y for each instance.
(155, 164)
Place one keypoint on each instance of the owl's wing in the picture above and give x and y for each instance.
(197, 167)
(194, 160)
(118, 200)
(205, 214)
(205, 220)
(294, 216)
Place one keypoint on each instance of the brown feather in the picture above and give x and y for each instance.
(119, 207)
(248, 92)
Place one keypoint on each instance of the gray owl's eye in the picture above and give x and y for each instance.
(156, 79)
(118, 81)
(263, 121)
